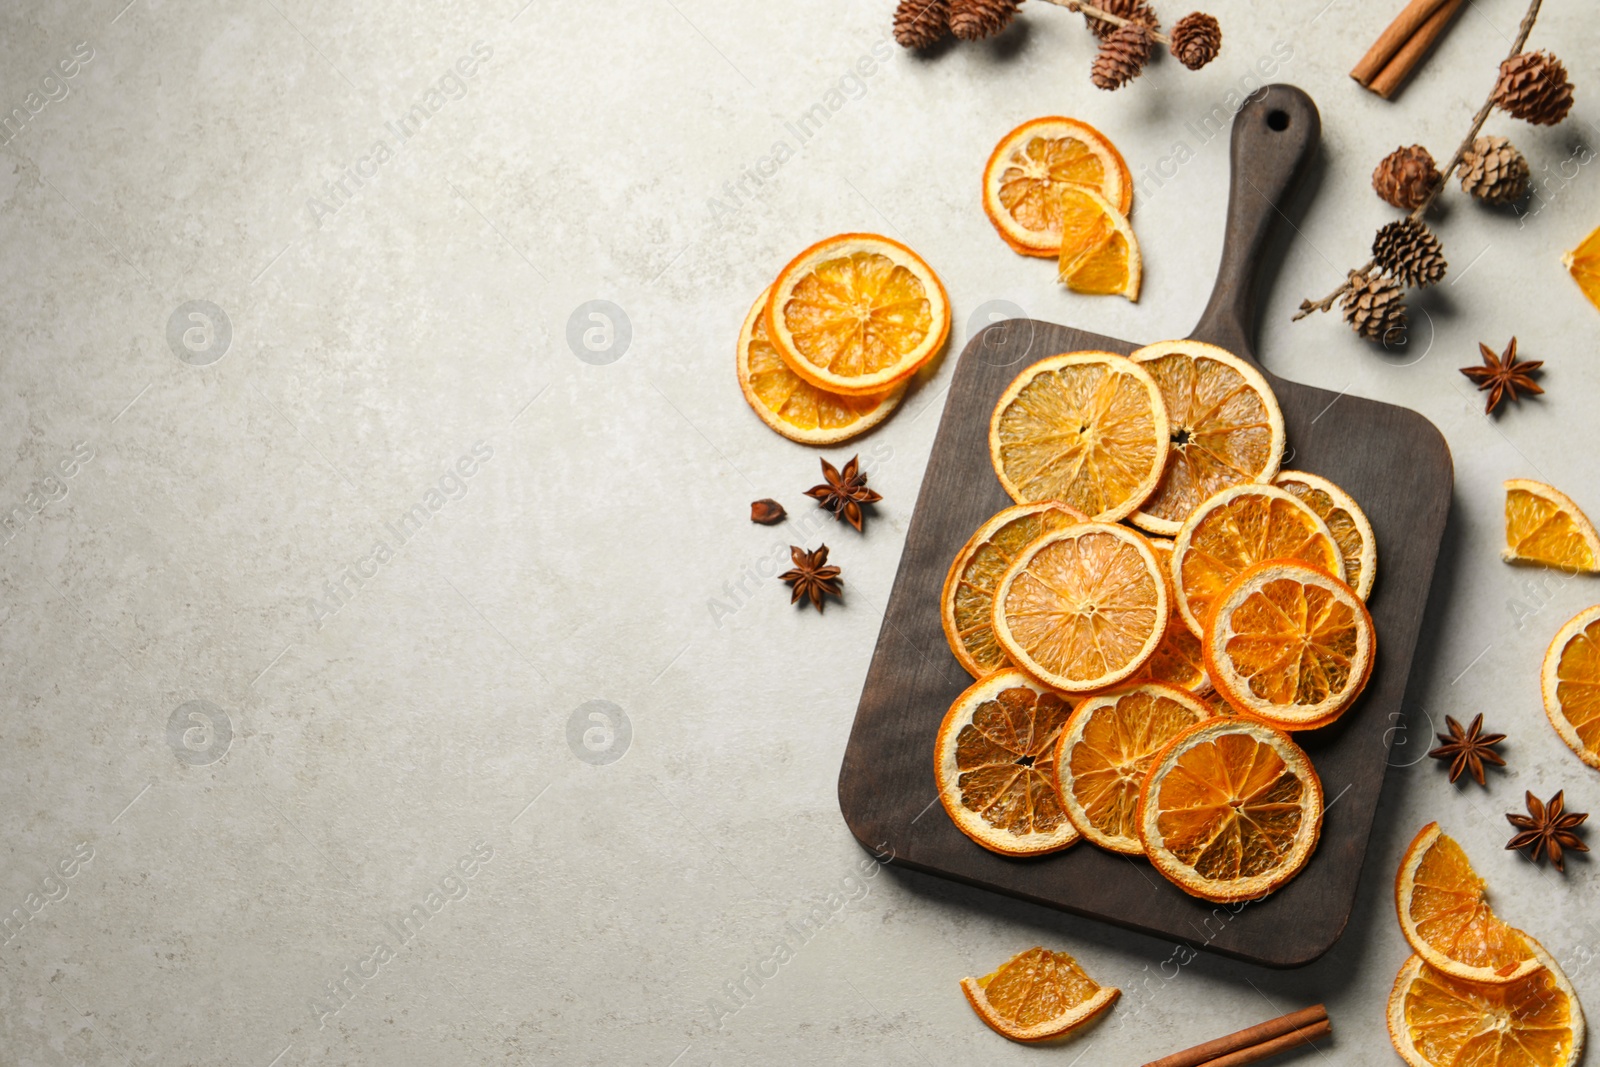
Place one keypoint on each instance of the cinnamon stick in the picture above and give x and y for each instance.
(1405, 61)
(1251, 1036)
(1394, 38)
(1267, 1049)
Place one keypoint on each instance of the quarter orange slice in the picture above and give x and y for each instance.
(1083, 607)
(1225, 427)
(1583, 263)
(1099, 253)
(1446, 919)
(857, 313)
(967, 603)
(1570, 682)
(1085, 428)
(1178, 660)
(1104, 752)
(1037, 995)
(1231, 810)
(995, 765)
(1238, 527)
(1346, 521)
(1439, 1021)
(1543, 525)
(1030, 168)
(1290, 644)
(793, 406)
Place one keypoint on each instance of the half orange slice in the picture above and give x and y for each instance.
(1544, 525)
(1037, 995)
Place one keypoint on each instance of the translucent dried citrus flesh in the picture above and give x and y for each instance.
(1224, 422)
(1178, 660)
(1583, 263)
(1083, 607)
(793, 406)
(1037, 995)
(1104, 752)
(1033, 165)
(995, 765)
(1085, 428)
(967, 602)
(1099, 254)
(1544, 525)
(1445, 915)
(1570, 682)
(1346, 521)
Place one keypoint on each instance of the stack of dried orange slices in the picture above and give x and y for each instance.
(1475, 989)
(1160, 609)
(827, 350)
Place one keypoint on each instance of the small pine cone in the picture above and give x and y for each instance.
(1135, 11)
(1122, 58)
(921, 23)
(1406, 177)
(1374, 307)
(1493, 171)
(1408, 250)
(973, 20)
(1196, 39)
(1533, 86)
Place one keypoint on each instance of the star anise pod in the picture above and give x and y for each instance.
(810, 577)
(1468, 750)
(844, 492)
(1503, 375)
(1548, 829)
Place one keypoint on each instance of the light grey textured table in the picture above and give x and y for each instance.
(332, 507)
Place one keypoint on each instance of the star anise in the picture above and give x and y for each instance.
(1548, 829)
(810, 577)
(844, 492)
(1501, 376)
(1469, 749)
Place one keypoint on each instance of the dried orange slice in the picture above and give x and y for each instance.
(1346, 521)
(1571, 684)
(1033, 164)
(1178, 660)
(793, 406)
(1037, 995)
(1289, 643)
(1439, 1021)
(1085, 428)
(1447, 921)
(967, 603)
(857, 313)
(1543, 525)
(1583, 263)
(1099, 253)
(1224, 422)
(1104, 752)
(1230, 810)
(1238, 527)
(1083, 607)
(995, 765)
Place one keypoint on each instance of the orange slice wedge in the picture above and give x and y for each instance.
(1230, 810)
(1238, 527)
(995, 765)
(1290, 644)
(1543, 525)
(1083, 607)
(1085, 428)
(1225, 427)
(1446, 919)
(1178, 660)
(967, 602)
(1583, 263)
(1033, 164)
(1346, 521)
(1104, 752)
(793, 406)
(1439, 1021)
(1571, 684)
(1037, 995)
(857, 314)
(1099, 253)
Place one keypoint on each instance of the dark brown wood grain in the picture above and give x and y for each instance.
(1392, 460)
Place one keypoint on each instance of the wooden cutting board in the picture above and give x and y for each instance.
(1392, 460)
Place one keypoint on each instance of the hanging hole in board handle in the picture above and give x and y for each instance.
(1278, 120)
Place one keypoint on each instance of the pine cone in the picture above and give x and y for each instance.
(1406, 177)
(1533, 86)
(973, 20)
(1122, 57)
(921, 23)
(1493, 171)
(1196, 40)
(1135, 11)
(1410, 252)
(1374, 307)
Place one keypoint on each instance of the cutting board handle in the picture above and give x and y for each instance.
(1275, 136)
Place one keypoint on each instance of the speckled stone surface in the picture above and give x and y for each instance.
(391, 672)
